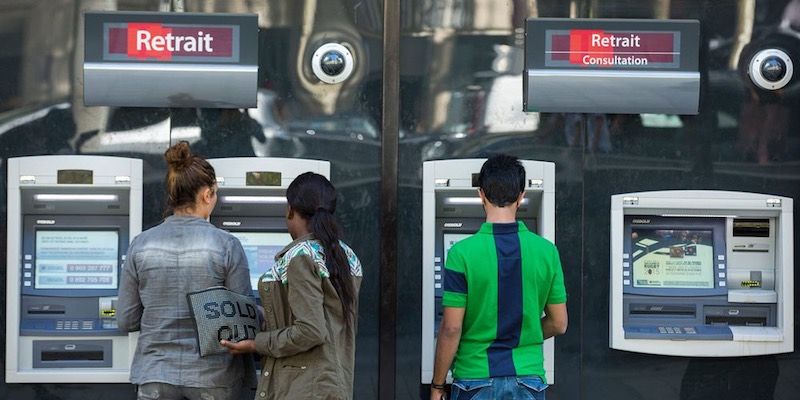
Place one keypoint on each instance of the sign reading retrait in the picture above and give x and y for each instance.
(164, 42)
(619, 66)
(171, 59)
(621, 49)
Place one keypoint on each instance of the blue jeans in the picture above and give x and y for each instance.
(501, 388)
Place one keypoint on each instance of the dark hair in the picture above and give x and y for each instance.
(502, 179)
(314, 198)
(187, 175)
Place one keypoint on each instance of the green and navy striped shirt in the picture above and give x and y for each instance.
(503, 275)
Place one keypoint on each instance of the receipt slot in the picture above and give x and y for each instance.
(251, 204)
(70, 219)
(702, 273)
(451, 211)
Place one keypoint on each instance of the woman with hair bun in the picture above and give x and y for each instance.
(310, 300)
(183, 254)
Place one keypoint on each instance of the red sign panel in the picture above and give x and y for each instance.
(170, 42)
(601, 48)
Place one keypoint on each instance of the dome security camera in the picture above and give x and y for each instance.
(332, 63)
(771, 69)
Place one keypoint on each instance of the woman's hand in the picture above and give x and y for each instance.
(243, 347)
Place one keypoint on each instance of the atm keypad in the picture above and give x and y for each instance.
(677, 329)
(74, 325)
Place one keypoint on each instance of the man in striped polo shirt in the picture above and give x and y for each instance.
(503, 296)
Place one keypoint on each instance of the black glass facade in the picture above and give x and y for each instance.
(458, 95)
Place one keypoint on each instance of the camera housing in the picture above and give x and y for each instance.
(771, 69)
(332, 63)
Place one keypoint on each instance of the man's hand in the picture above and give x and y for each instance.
(438, 394)
(243, 347)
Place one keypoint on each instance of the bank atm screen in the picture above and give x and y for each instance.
(673, 258)
(261, 248)
(73, 256)
(76, 259)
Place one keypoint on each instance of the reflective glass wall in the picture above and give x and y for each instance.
(460, 96)
(297, 116)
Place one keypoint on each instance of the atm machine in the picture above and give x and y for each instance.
(251, 204)
(70, 219)
(451, 211)
(702, 273)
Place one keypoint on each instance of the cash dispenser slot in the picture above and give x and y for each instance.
(72, 354)
(47, 309)
(655, 310)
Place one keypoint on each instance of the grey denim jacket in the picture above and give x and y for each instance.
(182, 254)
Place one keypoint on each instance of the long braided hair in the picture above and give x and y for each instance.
(314, 198)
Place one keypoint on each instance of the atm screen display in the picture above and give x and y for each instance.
(261, 248)
(452, 238)
(673, 258)
(76, 259)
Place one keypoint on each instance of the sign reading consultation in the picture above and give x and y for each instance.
(601, 48)
(611, 66)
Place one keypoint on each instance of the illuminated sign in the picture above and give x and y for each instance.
(608, 48)
(171, 42)
(611, 66)
(150, 59)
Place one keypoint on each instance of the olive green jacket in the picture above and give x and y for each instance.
(307, 351)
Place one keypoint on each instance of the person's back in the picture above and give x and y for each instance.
(183, 254)
(508, 271)
(497, 285)
(310, 300)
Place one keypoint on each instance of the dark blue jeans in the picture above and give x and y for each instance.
(502, 388)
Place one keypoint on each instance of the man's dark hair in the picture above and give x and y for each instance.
(502, 179)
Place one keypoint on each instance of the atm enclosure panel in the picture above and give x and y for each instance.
(251, 204)
(451, 210)
(749, 310)
(234, 172)
(56, 334)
